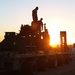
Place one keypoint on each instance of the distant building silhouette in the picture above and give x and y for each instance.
(63, 41)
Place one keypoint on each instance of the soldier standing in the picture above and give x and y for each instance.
(40, 25)
(34, 14)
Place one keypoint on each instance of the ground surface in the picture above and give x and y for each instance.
(67, 69)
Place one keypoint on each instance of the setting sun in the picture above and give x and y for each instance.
(54, 33)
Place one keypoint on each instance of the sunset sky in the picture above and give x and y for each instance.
(59, 15)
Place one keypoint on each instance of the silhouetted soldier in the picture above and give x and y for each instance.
(40, 25)
(34, 14)
(45, 27)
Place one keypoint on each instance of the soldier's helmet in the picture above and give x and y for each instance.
(36, 8)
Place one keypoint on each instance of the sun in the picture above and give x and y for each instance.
(54, 39)
(54, 36)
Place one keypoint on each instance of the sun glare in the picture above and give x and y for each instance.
(54, 33)
(54, 39)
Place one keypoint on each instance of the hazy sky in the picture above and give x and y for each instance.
(59, 15)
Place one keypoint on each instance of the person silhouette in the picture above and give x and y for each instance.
(40, 24)
(34, 14)
(45, 27)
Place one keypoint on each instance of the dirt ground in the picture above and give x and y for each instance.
(66, 69)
